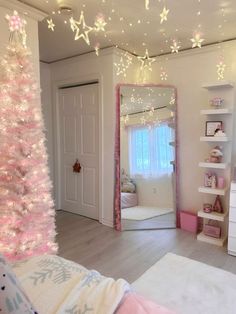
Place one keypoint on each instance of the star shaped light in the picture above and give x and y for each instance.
(221, 70)
(164, 14)
(175, 47)
(147, 4)
(80, 28)
(97, 48)
(100, 23)
(121, 67)
(51, 25)
(163, 75)
(146, 61)
(197, 41)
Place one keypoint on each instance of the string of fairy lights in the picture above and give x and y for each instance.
(82, 31)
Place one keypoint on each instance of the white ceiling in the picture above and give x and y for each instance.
(214, 19)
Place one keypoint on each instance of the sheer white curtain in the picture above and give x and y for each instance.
(149, 151)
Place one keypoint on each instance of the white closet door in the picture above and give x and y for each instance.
(79, 139)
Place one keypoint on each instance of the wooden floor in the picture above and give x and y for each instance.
(129, 254)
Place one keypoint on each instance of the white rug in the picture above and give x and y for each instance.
(142, 212)
(189, 287)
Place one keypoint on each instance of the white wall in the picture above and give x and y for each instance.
(46, 99)
(188, 71)
(81, 70)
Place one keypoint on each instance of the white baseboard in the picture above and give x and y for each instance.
(107, 223)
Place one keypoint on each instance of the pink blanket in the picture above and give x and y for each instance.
(134, 303)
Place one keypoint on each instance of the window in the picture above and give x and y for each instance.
(149, 151)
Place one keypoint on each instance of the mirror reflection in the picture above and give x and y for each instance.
(147, 157)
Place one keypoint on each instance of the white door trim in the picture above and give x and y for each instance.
(56, 134)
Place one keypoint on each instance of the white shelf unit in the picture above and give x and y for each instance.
(203, 189)
(225, 90)
(216, 111)
(212, 165)
(214, 139)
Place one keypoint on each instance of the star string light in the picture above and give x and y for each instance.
(97, 48)
(164, 75)
(147, 4)
(146, 61)
(175, 47)
(121, 67)
(221, 69)
(51, 25)
(100, 23)
(197, 41)
(80, 28)
(164, 14)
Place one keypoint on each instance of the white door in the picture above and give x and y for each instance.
(79, 139)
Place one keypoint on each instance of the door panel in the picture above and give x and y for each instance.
(79, 139)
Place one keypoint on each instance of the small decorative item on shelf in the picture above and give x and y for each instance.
(213, 127)
(212, 229)
(220, 182)
(207, 208)
(216, 102)
(217, 207)
(216, 155)
(210, 180)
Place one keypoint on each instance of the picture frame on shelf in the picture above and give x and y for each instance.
(212, 127)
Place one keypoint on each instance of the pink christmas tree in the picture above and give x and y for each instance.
(27, 215)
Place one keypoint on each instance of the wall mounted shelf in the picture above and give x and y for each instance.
(214, 139)
(220, 242)
(213, 165)
(216, 111)
(203, 189)
(212, 215)
(220, 84)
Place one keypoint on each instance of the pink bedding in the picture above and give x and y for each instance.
(133, 303)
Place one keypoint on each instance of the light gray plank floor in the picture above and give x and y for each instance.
(129, 254)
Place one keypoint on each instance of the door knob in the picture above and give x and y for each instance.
(77, 167)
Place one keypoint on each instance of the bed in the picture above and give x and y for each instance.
(128, 200)
(55, 285)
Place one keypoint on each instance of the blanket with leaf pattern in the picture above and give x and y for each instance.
(58, 286)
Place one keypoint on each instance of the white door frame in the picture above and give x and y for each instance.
(56, 134)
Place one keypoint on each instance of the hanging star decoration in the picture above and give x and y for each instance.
(164, 14)
(100, 23)
(97, 48)
(143, 120)
(80, 28)
(146, 61)
(147, 4)
(175, 47)
(51, 25)
(221, 69)
(197, 41)
(121, 67)
(164, 75)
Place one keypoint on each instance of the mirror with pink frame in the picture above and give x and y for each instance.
(146, 157)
